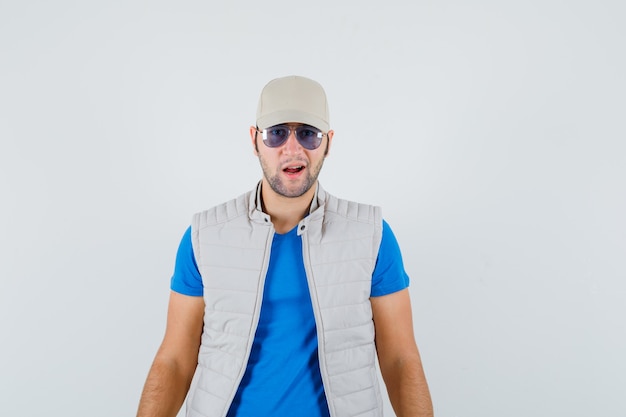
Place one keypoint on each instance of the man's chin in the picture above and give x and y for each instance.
(294, 191)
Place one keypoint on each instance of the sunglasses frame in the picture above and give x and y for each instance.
(292, 129)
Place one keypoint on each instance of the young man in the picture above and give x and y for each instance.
(282, 298)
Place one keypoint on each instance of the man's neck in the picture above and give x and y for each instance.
(285, 212)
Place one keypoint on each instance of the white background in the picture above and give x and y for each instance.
(492, 133)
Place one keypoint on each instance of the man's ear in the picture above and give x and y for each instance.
(253, 135)
(329, 135)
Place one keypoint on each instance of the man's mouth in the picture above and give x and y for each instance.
(293, 169)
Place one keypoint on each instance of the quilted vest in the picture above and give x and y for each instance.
(340, 241)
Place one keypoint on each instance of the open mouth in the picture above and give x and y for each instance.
(294, 169)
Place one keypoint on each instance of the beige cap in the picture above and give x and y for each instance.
(293, 99)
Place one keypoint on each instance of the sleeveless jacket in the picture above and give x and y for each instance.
(340, 241)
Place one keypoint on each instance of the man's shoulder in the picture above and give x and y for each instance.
(352, 210)
(223, 212)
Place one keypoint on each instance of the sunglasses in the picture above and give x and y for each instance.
(308, 137)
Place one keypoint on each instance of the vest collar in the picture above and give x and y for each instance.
(316, 211)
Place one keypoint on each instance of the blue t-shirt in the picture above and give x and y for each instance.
(283, 373)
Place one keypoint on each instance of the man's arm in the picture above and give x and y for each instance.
(398, 356)
(175, 362)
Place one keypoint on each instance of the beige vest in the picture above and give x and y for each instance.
(340, 241)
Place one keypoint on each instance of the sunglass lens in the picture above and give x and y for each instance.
(309, 137)
(277, 135)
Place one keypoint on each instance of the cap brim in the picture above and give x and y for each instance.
(291, 116)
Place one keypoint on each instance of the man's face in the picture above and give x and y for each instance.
(290, 169)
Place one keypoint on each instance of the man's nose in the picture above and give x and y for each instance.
(292, 145)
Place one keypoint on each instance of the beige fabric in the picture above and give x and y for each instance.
(232, 245)
(293, 99)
